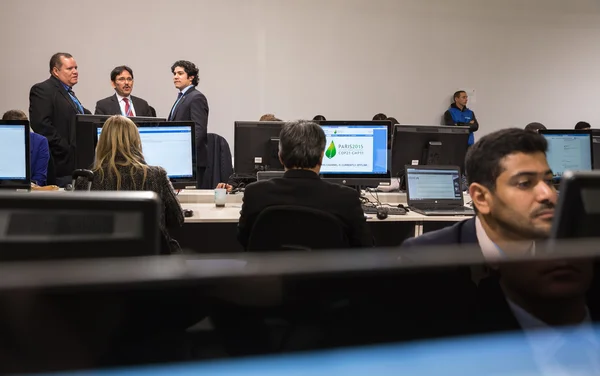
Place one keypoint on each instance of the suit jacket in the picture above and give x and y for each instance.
(305, 188)
(39, 158)
(156, 181)
(220, 166)
(110, 106)
(459, 233)
(52, 114)
(193, 106)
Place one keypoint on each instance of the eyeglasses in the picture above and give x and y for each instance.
(124, 79)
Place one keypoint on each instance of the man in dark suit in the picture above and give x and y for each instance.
(52, 109)
(191, 105)
(510, 184)
(301, 150)
(122, 102)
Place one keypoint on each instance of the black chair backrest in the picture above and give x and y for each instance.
(289, 227)
(220, 166)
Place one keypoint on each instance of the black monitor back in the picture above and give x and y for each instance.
(86, 138)
(59, 225)
(256, 146)
(578, 210)
(596, 148)
(447, 145)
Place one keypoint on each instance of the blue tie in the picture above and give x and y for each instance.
(76, 101)
(176, 103)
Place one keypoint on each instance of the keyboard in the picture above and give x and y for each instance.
(369, 209)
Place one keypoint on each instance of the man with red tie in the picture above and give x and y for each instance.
(122, 102)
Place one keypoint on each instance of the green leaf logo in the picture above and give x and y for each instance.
(330, 152)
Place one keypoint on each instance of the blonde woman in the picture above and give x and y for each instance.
(120, 166)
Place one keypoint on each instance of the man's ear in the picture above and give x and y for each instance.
(114, 86)
(279, 156)
(481, 197)
(321, 158)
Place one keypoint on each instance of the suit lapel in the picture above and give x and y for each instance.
(114, 103)
(66, 95)
(185, 95)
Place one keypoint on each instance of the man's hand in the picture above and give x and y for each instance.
(226, 186)
(472, 122)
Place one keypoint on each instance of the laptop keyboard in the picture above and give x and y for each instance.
(369, 209)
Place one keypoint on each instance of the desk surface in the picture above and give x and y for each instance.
(209, 213)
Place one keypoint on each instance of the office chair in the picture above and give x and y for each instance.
(289, 227)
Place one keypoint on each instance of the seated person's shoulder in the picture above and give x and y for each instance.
(445, 236)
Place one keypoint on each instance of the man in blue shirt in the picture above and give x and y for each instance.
(459, 114)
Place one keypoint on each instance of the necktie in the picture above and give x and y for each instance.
(128, 111)
(76, 101)
(176, 103)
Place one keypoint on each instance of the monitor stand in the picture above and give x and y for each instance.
(433, 153)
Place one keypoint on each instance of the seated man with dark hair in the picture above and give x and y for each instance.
(39, 152)
(583, 125)
(535, 127)
(301, 150)
(510, 184)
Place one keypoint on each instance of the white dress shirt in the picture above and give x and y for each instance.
(122, 105)
(491, 252)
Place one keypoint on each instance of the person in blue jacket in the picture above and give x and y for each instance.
(38, 150)
(459, 114)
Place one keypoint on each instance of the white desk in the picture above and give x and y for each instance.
(209, 213)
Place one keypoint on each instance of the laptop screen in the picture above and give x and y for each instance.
(433, 184)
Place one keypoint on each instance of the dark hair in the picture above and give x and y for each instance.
(379, 116)
(55, 60)
(301, 144)
(190, 69)
(14, 115)
(457, 94)
(118, 70)
(483, 161)
(319, 118)
(393, 120)
(582, 125)
(535, 127)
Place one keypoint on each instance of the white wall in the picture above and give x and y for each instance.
(528, 60)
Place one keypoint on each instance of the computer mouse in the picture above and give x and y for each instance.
(382, 213)
(188, 213)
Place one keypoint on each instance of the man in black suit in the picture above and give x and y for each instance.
(191, 105)
(301, 150)
(52, 109)
(510, 184)
(122, 102)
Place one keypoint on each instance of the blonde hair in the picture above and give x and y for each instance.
(119, 145)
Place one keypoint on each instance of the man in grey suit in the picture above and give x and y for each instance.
(191, 105)
(122, 102)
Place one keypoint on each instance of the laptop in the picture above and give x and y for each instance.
(435, 190)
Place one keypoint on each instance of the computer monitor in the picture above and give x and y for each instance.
(172, 146)
(596, 148)
(78, 225)
(85, 136)
(578, 210)
(15, 168)
(568, 149)
(256, 146)
(356, 152)
(428, 145)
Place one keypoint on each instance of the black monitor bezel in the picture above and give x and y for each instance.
(572, 131)
(178, 183)
(238, 143)
(26, 182)
(570, 203)
(400, 169)
(361, 179)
